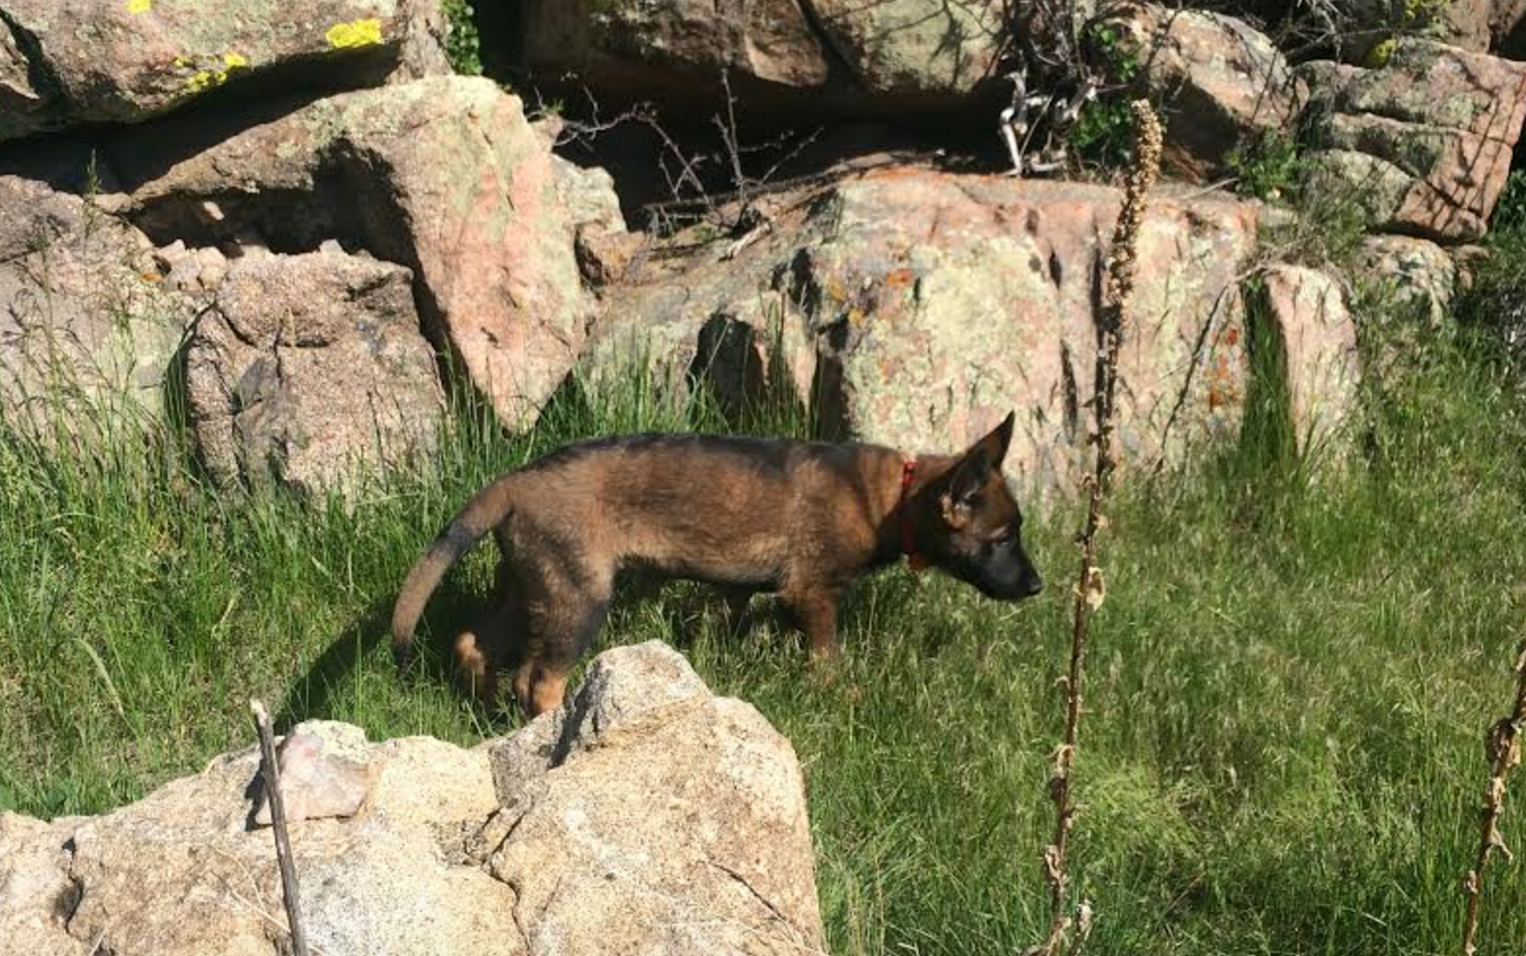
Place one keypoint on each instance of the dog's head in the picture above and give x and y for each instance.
(975, 526)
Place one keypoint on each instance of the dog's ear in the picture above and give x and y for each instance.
(994, 445)
(973, 471)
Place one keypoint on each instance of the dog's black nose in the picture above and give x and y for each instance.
(1033, 584)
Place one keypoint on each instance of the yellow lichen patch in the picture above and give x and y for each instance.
(354, 33)
(203, 80)
(139, 6)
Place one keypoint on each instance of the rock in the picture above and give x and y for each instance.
(725, 323)
(21, 105)
(426, 30)
(172, 255)
(796, 59)
(666, 818)
(1468, 24)
(1308, 313)
(1416, 272)
(603, 246)
(1362, 31)
(1436, 125)
(1372, 187)
(212, 267)
(647, 812)
(660, 49)
(1476, 25)
(128, 60)
(914, 51)
(444, 176)
(36, 894)
(322, 775)
(1467, 260)
(1509, 29)
(86, 328)
(181, 873)
(916, 309)
(310, 370)
(1221, 83)
(588, 193)
(1429, 84)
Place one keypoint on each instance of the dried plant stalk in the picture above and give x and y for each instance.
(1090, 589)
(1503, 746)
(270, 770)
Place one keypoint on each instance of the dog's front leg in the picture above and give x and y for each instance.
(816, 610)
(738, 604)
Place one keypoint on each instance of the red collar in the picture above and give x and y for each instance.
(908, 534)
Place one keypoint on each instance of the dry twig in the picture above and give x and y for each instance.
(1090, 589)
(272, 777)
(1502, 744)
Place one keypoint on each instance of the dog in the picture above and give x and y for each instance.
(800, 519)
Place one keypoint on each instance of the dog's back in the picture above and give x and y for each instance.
(720, 509)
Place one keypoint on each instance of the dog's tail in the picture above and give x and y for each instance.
(486, 510)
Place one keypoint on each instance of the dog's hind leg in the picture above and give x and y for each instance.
(566, 603)
(478, 652)
(557, 643)
(495, 642)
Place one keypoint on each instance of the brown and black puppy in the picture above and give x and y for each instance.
(802, 519)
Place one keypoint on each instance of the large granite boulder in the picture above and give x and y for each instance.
(646, 816)
(1416, 272)
(1221, 83)
(444, 176)
(82, 61)
(1362, 29)
(1322, 369)
(812, 58)
(1422, 145)
(914, 51)
(917, 308)
(311, 371)
(87, 331)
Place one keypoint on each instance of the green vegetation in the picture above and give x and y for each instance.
(1495, 300)
(1289, 687)
(1265, 166)
(1509, 218)
(462, 43)
(1104, 132)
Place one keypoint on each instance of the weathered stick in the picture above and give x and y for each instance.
(272, 775)
(1503, 745)
(1090, 589)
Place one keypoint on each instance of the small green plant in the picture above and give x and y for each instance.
(1265, 165)
(1510, 211)
(1493, 297)
(1104, 132)
(1414, 16)
(462, 42)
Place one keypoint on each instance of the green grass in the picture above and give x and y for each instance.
(1287, 695)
